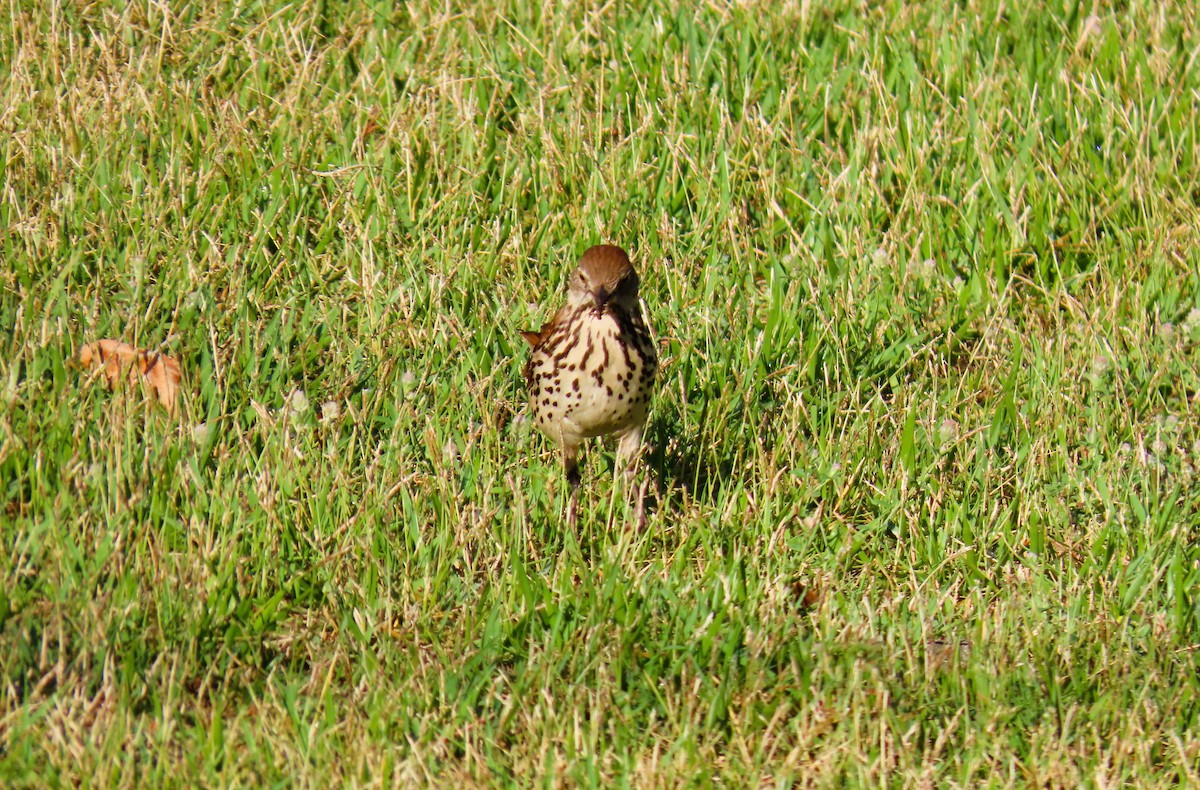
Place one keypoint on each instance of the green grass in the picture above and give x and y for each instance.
(926, 278)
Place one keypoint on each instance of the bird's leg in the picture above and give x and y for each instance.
(571, 465)
(628, 450)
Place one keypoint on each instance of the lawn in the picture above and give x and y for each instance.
(923, 455)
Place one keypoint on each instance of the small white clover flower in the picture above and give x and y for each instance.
(948, 431)
(298, 401)
(1192, 322)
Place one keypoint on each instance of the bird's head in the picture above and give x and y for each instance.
(605, 278)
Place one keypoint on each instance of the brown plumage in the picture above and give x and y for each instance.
(593, 364)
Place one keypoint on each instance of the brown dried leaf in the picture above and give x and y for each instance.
(806, 594)
(122, 362)
(941, 652)
(116, 358)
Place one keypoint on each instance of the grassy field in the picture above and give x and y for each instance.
(923, 454)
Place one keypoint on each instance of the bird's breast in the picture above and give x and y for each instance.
(593, 375)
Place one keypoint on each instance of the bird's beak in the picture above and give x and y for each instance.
(602, 296)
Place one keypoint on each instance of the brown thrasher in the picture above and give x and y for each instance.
(593, 366)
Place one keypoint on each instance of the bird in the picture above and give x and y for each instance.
(592, 367)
